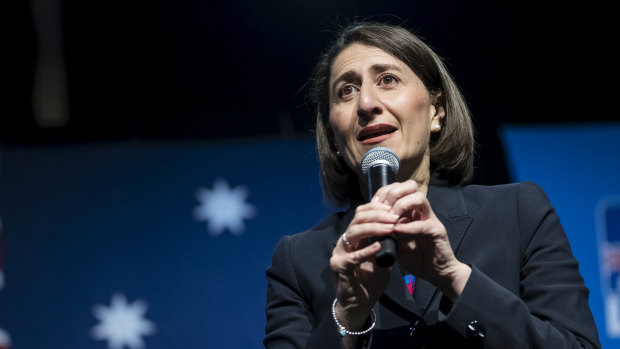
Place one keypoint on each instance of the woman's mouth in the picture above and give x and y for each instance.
(375, 133)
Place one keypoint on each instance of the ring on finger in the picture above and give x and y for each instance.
(344, 239)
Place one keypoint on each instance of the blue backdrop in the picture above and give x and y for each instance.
(165, 245)
(108, 245)
(579, 166)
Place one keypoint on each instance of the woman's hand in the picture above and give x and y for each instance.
(423, 246)
(360, 282)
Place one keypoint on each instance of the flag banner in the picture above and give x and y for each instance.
(578, 167)
(147, 244)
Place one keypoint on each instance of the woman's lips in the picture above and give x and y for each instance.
(375, 133)
(377, 139)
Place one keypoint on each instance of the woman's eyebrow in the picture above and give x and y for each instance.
(378, 68)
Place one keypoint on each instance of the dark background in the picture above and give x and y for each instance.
(230, 70)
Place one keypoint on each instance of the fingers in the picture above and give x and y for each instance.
(405, 200)
(373, 212)
(346, 262)
(417, 216)
(353, 247)
(372, 219)
(413, 227)
(414, 206)
(389, 194)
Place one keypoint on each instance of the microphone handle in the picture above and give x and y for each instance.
(378, 176)
(387, 255)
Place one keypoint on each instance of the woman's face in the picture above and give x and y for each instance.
(377, 100)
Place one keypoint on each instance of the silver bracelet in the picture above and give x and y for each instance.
(343, 331)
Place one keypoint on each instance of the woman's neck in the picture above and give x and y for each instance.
(421, 173)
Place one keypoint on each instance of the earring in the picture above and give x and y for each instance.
(436, 128)
(338, 154)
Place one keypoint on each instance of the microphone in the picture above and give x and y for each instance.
(381, 165)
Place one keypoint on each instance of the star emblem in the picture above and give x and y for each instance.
(122, 324)
(5, 339)
(223, 208)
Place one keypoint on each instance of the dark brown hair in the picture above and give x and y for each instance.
(451, 150)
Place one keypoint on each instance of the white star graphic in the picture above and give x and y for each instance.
(5, 339)
(224, 208)
(122, 324)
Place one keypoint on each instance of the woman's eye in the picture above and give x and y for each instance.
(388, 79)
(347, 90)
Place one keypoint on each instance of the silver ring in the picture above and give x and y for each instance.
(344, 239)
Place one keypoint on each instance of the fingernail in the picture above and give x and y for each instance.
(393, 216)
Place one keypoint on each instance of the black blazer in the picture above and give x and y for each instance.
(525, 289)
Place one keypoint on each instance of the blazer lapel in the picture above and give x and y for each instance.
(398, 294)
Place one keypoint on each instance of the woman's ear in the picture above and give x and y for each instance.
(438, 112)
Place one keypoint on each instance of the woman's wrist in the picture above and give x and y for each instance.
(455, 280)
(344, 331)
(353, 318)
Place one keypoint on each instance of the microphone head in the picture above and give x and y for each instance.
(380, 155)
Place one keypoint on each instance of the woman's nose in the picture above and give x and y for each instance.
(368, 104)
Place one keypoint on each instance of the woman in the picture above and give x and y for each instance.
(492, 265)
